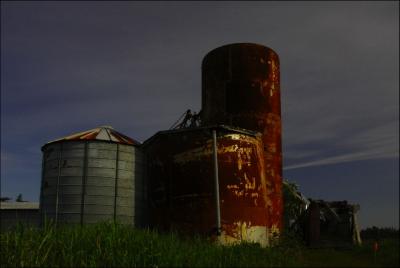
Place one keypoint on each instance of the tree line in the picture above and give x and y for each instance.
(378, 233)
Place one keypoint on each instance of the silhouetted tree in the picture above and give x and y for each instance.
(5, 199)
(19, 198)
(377, 233)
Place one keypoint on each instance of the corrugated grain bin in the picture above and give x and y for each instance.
(241, 88)
(92, 176)
(182, 196)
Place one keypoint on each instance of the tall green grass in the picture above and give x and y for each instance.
(114, 245)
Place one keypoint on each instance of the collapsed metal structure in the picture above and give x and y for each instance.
(320, 223)
(331, 224)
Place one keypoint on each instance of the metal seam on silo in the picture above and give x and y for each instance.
(58, 180)
(116, 183)
(84, 177)
(216, 181)
(109, 133)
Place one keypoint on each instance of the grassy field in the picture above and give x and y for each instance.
(387, 256)
(120, 246)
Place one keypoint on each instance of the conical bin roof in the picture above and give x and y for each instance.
(102, 133)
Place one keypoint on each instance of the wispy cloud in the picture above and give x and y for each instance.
(377, 143)
(351, 157)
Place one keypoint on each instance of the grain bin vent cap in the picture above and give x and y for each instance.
(102, 133)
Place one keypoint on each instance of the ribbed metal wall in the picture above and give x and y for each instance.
(91, 181)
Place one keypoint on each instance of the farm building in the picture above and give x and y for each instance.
(14, 212)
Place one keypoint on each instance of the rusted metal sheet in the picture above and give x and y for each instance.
(241, 88)
(181, 183)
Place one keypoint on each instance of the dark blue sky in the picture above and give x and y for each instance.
(72, 66)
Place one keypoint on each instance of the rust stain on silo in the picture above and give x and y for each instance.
(241, 88)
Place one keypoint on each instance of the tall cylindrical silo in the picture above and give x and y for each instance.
(241, 88)
(92, 176)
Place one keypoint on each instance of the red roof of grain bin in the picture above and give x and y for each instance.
(102, 133)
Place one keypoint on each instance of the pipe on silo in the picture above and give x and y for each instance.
(216, 181)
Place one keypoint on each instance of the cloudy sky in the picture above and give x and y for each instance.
(72, 66)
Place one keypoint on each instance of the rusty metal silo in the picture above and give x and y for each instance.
(181, 167)
(241, 88)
